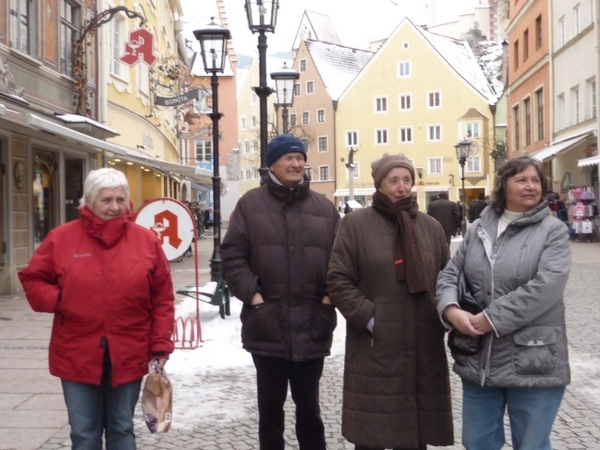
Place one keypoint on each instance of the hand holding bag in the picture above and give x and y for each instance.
(157, 400)
(459, 343)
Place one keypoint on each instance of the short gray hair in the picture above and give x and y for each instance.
(105, 178)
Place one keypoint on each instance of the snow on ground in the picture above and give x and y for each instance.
(219, 372)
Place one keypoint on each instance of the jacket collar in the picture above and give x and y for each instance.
(490, 216)
(279, 191)
(109, 232)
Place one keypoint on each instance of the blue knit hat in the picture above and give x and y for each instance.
(282, 144)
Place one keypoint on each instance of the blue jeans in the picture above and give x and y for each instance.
(94, 409)
(531, 412)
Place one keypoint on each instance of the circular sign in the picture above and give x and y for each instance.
(172, 222)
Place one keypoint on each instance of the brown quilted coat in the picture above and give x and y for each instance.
(396, 380)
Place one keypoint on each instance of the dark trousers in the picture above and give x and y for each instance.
(421, 447)
(272, 376)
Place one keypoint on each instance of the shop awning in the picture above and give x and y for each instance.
(553, 150)
(35, 122)
(193, 174)
(592, 160)
(38, 123)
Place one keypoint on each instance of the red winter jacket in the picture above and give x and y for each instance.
(108, 284)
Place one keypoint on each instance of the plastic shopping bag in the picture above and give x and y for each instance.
(157, 401)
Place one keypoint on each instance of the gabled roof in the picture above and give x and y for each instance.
(317, 27)
(458, 54)
(337, 65)
(472, 113)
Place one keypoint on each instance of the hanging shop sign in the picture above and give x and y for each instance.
(177, 100)
(139, 47)
(172, 222)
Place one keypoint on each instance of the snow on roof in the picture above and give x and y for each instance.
(76, 118)
(322, 27)
(338, 65)
(458, 54)
(490, 57)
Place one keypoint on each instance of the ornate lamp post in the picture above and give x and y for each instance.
(462, 153)
(285, 79)
(262, 17)
(213, 48)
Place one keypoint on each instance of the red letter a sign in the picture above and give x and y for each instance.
(140, 46)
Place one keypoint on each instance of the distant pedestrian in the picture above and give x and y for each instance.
(477, 206)
(275, 255)
(446, 213)
(502, 296)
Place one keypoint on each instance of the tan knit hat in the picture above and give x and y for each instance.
(381, 167)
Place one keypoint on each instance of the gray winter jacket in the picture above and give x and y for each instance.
(519, 278)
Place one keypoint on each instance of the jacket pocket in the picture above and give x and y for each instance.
(262, 322)
(324, 321)
(533, 351)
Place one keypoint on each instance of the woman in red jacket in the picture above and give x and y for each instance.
(108, 283)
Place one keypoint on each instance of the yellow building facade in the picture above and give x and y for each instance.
(420, 94)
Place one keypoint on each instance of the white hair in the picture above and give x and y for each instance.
(105, 178)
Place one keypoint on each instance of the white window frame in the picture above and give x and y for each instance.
(324, 170)
(310, 87)
(435, 166)
(320, 115)
(351, 138)
(472, 130)
(576, 20)
(68, 32)
(575, 105)
(403, 100)
(381, 104)
(434, 99)
(434, 132)
(473, 164)
(562, 32)
(305, 117)
(404, 69)
(381, 136)
(405, 135)
(323, 144)
(117, 40)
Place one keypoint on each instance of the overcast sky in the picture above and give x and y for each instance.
(356, 22)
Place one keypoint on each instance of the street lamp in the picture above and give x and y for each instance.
(462, 153)
(285, 79)
(213, 48)
(262, 17)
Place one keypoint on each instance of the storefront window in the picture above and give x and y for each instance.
(45, 207)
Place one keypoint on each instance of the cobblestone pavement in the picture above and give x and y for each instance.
(577, 425)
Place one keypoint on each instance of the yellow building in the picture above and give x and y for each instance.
(420, 94)
(138, 99)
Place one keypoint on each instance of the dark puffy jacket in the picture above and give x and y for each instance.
(446, 213)
(278, 243)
